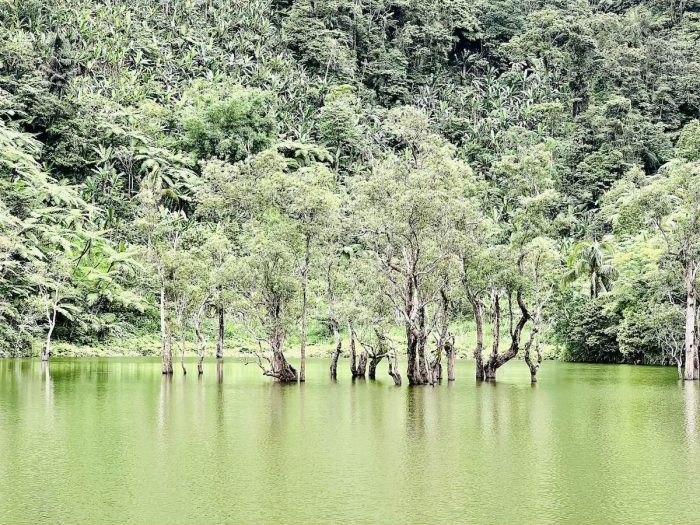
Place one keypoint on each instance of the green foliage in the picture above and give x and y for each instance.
(237, 153)
(225, 120)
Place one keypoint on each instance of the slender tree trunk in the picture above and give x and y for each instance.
(490, 365)
(691, 351)
(374, 361)
(353, 351)
(197, 325)
(182, 357)
(335, 328)
(394, 369)
(304, 307)
(451, 353)
(479, 349)
(338, 348)
(182, 341)
(411, 354)
(362, 364)
(220, 339)
(169, 352)
(200, 337)
(163, 327)
(422, 343)
(534, 366)
(46, 351)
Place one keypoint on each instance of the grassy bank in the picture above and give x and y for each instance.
(146, 342)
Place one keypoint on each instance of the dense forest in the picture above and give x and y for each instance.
(256, 174)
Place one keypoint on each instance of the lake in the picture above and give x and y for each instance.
(112, 441)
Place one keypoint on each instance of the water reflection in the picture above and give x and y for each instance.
(220, 370)
(588, 443)
(166, 384)
(690, 412)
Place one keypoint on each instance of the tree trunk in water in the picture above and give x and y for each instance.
(46, 350)
(422, 342)
(411, 354)
(436, 367)
(220, 371)
(279, 368)
(374, 360)
(182, 341)
(394, 369)
(182, 358)
(282, 370)
(169, 352)
(490, 366)
(165, 348)
(304, 308)
(479, 350)
(200, 337)
(362, 365)
(220, 340)
(451, 353)
(353, 352)
(691, 351)
(417, 368)
(534, 366)
(338, 348)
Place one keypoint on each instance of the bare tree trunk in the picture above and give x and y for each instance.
(169, 352)
(46, 351)
(374, 360)
(182, 357)
(422, 343)
(51, 318)
(691, 351)
(479, 349)
(335, 328)
(182, 342)
(534, 366)
(411, 354)
(357, 369)
(338, 348)
(490, 365)
(200, 336)
(304, 307)
(220, 339)
(394, 369)
(164, 332)
(451, 353)
(362, 365)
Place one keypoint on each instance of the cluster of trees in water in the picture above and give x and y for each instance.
(530, 167)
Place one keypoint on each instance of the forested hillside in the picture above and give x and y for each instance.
(372, 170)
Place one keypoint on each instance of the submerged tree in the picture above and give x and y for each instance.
(407, 208)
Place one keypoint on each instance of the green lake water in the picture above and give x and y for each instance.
(112, 441)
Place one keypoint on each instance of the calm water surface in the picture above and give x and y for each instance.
(112, 441)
